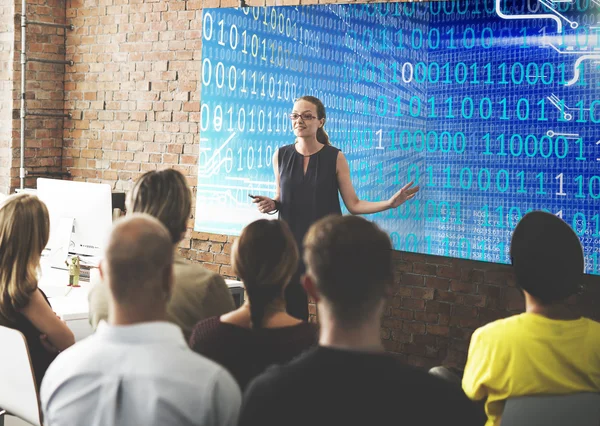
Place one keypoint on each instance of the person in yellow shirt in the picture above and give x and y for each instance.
(548, 349)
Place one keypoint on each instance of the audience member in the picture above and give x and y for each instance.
(24, 232)
(349, 379)
(259, 333)
(548, 349)
(137, 369)
(197, 293)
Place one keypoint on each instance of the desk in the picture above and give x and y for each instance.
(71, 304)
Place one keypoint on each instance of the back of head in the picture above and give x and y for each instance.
(350, 260)
(547, 257)
(265, 257)
(165, 195)
(24, 232)
(138, 261)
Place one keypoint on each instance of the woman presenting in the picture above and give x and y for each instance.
(309, 173)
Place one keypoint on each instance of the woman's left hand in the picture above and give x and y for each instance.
(407, 192)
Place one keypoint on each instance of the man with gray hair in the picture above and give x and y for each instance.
(138, 369)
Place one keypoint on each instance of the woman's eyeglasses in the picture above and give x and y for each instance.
(305, 117)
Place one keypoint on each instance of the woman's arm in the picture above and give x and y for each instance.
(357, 206)
(266, 204)
(40, 314)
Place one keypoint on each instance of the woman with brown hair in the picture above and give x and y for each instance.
(310, 174)
(24, 232)
(197, 292)
(260, 333)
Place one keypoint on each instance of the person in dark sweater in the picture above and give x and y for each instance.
(349, 379)
(24, 232)
(260, 333)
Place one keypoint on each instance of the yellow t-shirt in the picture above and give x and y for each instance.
(530, 354)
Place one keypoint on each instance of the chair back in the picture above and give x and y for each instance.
(578, 409)
(18, 392)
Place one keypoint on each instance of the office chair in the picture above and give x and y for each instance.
(578, 409)
(18, 392)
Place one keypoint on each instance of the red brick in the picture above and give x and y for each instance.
(438, 330)
(498, 276)
(489, 290)
(403, 314)
(422, 293)
(439, 283)
(400, 336)
(465, 312)
(212, 267)
(415, 304)
(445, 296)
(391, 322)
(425, 339)
(472, 275)
(470, 300)
(426, 317)
(437, 307)
(411, 280)
(216, 248)
(448, 272)
(424, 269)
(400, 266)
(462, 287)
(205, 257)
(222, 259)
(218, 238)
(413, 327)
(403, 291)
(461, 333)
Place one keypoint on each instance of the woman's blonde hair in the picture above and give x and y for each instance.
(322, 135)
(24, 232)
(265, 258)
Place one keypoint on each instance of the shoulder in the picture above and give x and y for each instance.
(594, 331)
(497, 330)
(192, 274)
(207, 329)
(69, 363)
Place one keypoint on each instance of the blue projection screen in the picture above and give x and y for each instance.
(493, 107)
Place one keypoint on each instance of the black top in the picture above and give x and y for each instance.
(337, 387)
(40, 357)
(246, 353)
(305, 198)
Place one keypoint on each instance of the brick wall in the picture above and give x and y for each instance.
(134, 95)
(44, 92)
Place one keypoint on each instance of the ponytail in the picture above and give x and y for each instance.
(322, 136)
(259, 299)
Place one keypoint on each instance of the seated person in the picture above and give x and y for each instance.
(548, 349)
(259, 333)
(137, 369)
(198, 293)
(24, 232)
(349, 379)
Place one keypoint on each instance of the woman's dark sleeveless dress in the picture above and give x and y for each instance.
(40, 357)
(305, 198)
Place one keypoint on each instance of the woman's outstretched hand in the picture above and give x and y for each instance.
(264, 204)
(407, 192)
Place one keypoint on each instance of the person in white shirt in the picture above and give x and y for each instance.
(137, 369)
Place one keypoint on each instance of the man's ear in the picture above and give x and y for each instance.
(308, 283)
(101, 270)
